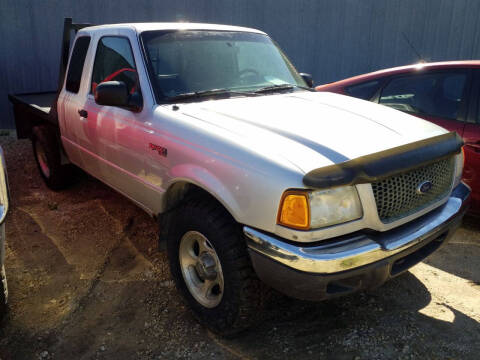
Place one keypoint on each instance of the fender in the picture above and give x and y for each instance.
(207, 181)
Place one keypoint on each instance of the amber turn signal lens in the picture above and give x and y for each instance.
(294, 211)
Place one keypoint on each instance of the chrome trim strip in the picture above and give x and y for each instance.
(351, 252)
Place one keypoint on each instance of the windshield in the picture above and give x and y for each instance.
(185, 62)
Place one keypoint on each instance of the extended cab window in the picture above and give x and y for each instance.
(364, 90)
(75, 69)
(436, 94)
(114, 62)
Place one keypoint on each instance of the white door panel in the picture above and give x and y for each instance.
(118, 138)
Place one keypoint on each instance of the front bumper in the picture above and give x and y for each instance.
(349, 263)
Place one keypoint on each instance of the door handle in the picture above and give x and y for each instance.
(83, 113)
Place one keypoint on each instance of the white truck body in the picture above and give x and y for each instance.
(248, 151)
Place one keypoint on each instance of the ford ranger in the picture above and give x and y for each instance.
(254, 178)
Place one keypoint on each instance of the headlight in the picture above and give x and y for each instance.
(459, 162)
(304, 210)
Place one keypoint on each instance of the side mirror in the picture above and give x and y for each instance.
(308, 79)
(111, 93)
(115, 93)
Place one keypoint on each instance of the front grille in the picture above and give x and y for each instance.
(397, 196)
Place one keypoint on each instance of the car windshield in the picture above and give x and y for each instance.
(187, 62)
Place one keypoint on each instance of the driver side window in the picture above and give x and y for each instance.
(114, 62)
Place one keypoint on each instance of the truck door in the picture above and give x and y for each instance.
(72, 99)
(114, 137)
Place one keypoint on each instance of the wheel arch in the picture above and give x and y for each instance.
(176, 194)
(182, 188)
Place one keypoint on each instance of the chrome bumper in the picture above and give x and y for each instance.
(362, 248)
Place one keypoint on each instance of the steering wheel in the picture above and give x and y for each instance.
(114, 75)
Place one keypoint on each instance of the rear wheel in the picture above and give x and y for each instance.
(46, 150)
(211, 267)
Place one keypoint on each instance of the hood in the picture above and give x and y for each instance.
(312, 129)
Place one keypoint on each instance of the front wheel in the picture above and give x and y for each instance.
(211, 267)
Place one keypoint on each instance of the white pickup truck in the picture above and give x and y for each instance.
(254, 178)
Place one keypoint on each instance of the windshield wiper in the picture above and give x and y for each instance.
(205, 93)
(281, 87)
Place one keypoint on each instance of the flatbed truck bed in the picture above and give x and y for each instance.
(32, 109)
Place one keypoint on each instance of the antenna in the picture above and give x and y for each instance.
(420, 59)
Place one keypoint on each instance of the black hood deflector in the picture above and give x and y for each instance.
(377, 166)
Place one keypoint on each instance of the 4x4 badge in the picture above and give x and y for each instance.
(160, 149)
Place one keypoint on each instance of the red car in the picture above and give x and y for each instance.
(445, 93)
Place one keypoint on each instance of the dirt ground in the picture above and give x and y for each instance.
(87, 281)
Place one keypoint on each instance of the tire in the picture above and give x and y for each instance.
(242, 296)
(46, 150)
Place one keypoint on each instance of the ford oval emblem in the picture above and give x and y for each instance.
(424, 187)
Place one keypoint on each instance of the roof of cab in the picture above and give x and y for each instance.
(140, 27)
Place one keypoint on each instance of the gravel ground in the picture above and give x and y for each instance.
(87, 281)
